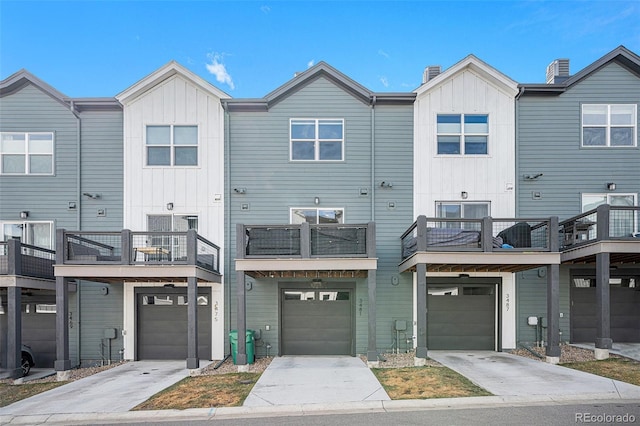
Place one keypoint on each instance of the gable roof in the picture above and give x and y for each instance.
(620, 55)
(302, 79)
(475, 64)
(162, 74)
(22, 78)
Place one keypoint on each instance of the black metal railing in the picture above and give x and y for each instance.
(480, 235)
(305, 241)
(17, 258)
(133, 248)
(605, 222)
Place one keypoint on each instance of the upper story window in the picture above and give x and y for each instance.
(609, 125)
(316, 216)
(463, 134)
(623, 223)
(172, 145)
(39, 234)
(463, 210)
(26, 153)
(317, 139)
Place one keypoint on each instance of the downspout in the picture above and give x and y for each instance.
(227, 200)
(373, 158)
(516, 110)
(78, 220)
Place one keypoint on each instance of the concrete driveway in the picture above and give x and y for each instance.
(514, 376)
(118, 389)
(293, 380)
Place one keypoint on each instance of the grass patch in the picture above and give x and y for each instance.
(426, 382)
(223, 390)
(623, 369)
(14, 393)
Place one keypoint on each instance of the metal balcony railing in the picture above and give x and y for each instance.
(605, 222)
(137, 248)
(17, 258)
(480, 235)
(306, 241)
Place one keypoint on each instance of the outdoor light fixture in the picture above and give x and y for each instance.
(24, 214)
(169, 206)
(464, 195)
(532, 177)
(464, 276)
(92, 196)
(316, 200)
(240, 190)
(611, 186)
(385, 184)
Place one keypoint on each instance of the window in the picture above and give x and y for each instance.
(622, 222)
(609, 125)
(463, 134)
(316, 216)
(172, 145)
(39, 234)
(317, 139)
(176, 245)
(468, 210)
(26, 153)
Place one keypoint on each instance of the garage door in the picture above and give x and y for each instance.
(461, 317)
(38, 327)
(316, 322)
(625, 311)
(162, 324)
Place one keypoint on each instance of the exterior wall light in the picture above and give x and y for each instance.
(611, 186)
(464, 195)
(316, 200)
(169, 206)
(24, 214)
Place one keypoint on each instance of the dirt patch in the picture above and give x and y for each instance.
(10, 393)
(568, 353)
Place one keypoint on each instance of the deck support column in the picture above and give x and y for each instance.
(553, 314)
(372, 351)
(241, 356)
(421, 295)
(62, 364)
(603, 307)
(193, 361)
(14, 331)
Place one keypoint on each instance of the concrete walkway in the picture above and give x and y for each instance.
(315, 379)
(115, 390)
(508, 375)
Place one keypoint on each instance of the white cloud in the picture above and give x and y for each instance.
(383, 53)
(311, 63)
(265, 9)
(217, 68)
(384, 81)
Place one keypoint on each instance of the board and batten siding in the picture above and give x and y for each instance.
(259, 161)
(192, 190)
(548, 142)
(44, 197)
(483, 177)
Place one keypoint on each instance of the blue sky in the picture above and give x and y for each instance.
(247, 48)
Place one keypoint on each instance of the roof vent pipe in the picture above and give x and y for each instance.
(558, 71)
(430, 73)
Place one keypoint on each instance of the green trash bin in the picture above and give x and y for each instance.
(250, 346)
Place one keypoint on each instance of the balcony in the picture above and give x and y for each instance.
(606, 229)
(304, 250)
(25, 265)
(480, 245)
(134, 256)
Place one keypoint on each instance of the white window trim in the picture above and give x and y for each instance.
(27, 155)
(317, 209)
(316, 141)
(24, 223)
(608, 127)
(171, 146)
(462, 134)
(460, 203)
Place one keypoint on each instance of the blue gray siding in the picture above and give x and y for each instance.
(259, 161)
(548, 142)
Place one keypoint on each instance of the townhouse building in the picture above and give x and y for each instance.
(577, 156)
(323, 218)
(60, 167)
